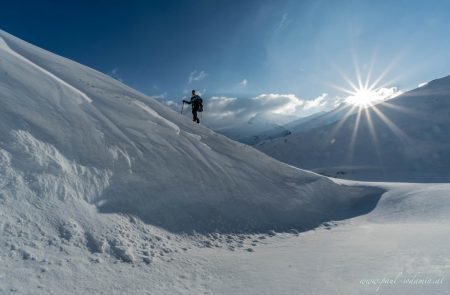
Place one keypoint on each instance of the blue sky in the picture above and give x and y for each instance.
(243, 48)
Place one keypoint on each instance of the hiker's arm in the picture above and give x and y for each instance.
(185, 101)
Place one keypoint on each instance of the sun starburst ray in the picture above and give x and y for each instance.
(391, 125)
(357, 71)
(342, 120)
(355, 131)
(373, 134)
(405, 110)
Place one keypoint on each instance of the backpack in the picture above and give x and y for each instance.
(199, 101)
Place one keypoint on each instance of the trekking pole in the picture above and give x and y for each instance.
(182, 108)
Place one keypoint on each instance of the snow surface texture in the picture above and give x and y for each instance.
(106, 191)
(148, 160)
(91, 165)
(393, 250)
(407, 139)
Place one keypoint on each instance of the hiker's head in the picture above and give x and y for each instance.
(193, 92)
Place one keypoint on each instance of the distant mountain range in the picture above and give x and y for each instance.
(407, 136)
(257, 128)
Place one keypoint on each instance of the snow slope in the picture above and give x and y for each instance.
(294, 126)
(404, 239)
(79, 151)
(398, 248)
(407, 140)
(99, 185)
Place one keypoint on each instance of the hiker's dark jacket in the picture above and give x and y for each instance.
(196, 102)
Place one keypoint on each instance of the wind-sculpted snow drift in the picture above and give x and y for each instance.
(79, 149)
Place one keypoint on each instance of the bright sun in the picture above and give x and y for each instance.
(364, 93)
(364, 97)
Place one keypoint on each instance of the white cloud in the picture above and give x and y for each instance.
(243, 83)
(197, 76)
(374, 96)
(171, 103)
(422, 84)
(222, 100)
(222, 111)
(280, 103)
(388, 93)
(319, 101)
(159, 96)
